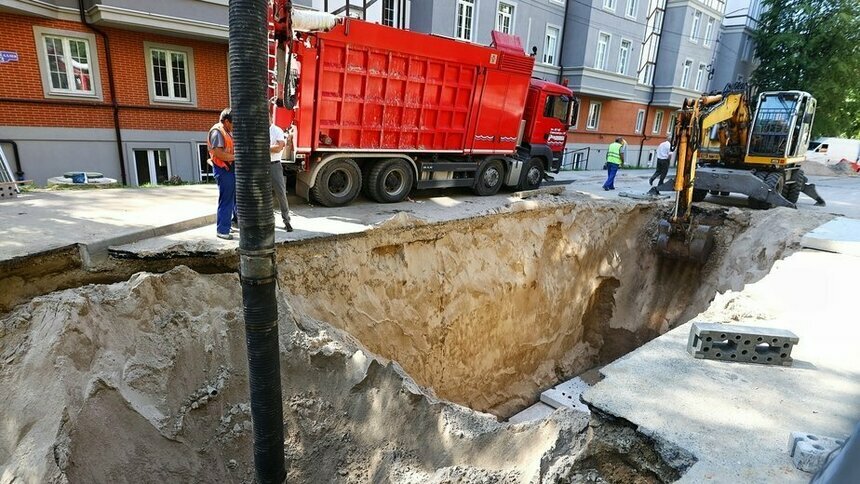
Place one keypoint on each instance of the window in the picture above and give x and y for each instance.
(67, 63)
(685, 74)
(505, 18)
(697, 21)
(670, 127)
(632, 6)
(465, 19)
(388, 13)
(550, 45)
(152, 166)
(624, 56)
(609, 4)
(658, 121)
(748, 48)
(709, 32)
(593, 116)
(557, 107)
(602, 47)
(640, 121)
(574, 113)
(170, 73)
(700, 77)
(207, 174)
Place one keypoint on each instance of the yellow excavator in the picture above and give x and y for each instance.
(722, 147)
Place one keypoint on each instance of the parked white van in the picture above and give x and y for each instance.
(830, 151)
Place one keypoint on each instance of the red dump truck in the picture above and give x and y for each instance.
(383, 110)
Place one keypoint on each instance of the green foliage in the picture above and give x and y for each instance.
(814, 46)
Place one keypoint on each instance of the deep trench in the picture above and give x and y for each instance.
(484, 312)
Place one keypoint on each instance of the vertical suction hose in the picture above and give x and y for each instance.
(249, 76)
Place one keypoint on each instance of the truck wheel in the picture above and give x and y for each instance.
(792, 191)
(337, 183)
(490, 177)
(532, 174)
(366, 166)
(699, 194)
(390, 181)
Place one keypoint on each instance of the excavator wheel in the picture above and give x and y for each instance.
(695, 244)
(791, 191)
(775, 180)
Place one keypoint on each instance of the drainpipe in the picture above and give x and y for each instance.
(561, 47)
(19, 172)
(257, 271)
(113, 101)
(653, 88)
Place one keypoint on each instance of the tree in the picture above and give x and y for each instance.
(813, 46)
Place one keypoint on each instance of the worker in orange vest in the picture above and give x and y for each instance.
(221, 153)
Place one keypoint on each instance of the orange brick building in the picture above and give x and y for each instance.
(140, 116)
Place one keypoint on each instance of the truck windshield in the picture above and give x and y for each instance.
(558, 107)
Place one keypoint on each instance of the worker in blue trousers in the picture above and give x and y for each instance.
(614, 159)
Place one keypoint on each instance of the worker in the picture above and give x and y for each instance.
(220, 143)
(664, 154)
(277, 143)
(614, 159)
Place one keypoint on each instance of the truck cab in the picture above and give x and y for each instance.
(547, 118)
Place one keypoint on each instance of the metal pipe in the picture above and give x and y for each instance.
(248, 94)
(111, 85)
(19, 172)
(561, 47)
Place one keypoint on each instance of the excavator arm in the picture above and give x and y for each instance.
(680, 236)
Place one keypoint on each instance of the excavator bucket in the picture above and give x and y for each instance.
(694, 243)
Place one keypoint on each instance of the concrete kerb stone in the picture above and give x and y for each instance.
(810, 452)
(749, 344)
(93, 253)
(567, 395)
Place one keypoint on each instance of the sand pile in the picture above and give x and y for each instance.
(842, 168)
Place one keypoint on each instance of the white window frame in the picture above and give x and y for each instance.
(695, 26)
(672, 118)
(150, 155)
(148, 47)
(551, 61)
(39, 34)
(640, 121)
(658, 121)
(700, 77)
(205, 177)
(626, 63)
(462, 26)
(600, 34)
(709, 31)
(748, 49)
(393, 10)
(591, 112)
(513, 15)
(635, 9)
(686, 70)
(609, 5)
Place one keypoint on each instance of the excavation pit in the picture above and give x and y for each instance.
(145, 379)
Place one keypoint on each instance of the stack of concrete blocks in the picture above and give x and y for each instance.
(730, 342)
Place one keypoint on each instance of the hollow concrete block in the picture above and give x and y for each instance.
(809, 452)
(567, 395)
(749, 344)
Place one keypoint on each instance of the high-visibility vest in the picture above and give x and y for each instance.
(614, 153)
(228, 147)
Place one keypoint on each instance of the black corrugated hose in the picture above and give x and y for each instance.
(249, 79)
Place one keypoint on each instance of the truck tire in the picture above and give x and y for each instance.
(489, 177)
(792, 191)
(390, 181)
(366, 166)
(532, 174)
(699, 194)
(337, 183)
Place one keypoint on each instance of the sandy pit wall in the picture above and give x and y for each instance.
(489, 311)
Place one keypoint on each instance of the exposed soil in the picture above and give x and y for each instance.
(145, 380)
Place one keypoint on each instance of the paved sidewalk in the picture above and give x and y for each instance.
(44, 220)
